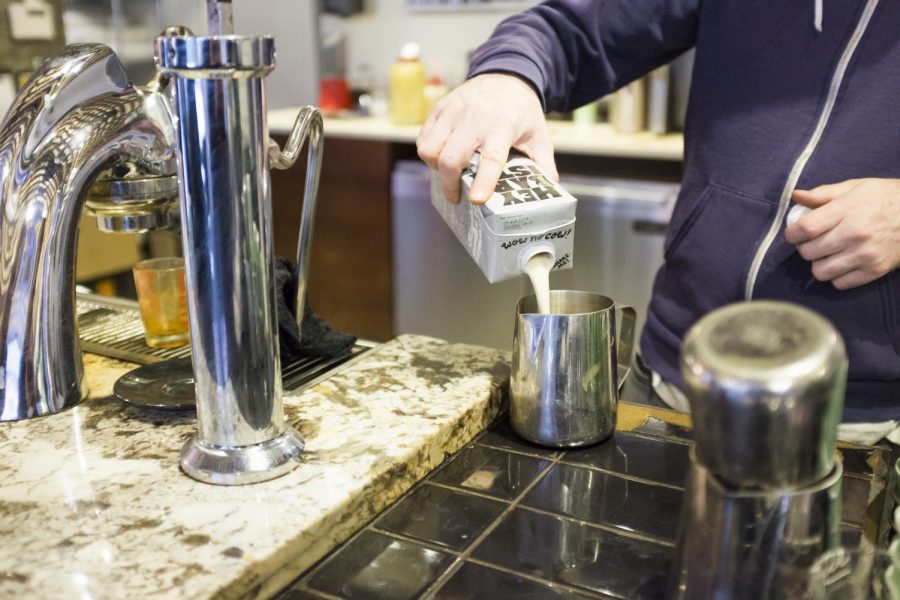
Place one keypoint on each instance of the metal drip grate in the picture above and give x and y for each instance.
(112, 327)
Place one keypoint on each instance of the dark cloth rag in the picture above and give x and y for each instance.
(315, 338)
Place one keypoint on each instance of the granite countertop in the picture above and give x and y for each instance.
(93, 505)
(593, 139)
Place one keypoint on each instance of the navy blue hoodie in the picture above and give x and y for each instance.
(775, 104)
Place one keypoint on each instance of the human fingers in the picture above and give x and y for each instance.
(816, 223)
(834, 266)
(823, 246)
(454, 157)
(807, 202)
(868, 232)
(853, 279)
(494, 154)
(433, 136)
(823, 194)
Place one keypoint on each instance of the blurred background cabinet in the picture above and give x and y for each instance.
(350, 283)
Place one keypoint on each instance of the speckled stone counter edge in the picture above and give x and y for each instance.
(96, 491)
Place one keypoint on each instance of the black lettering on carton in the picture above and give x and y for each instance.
(511, 243)
(517, 197)
(518, 170)
(544, 192)
(503, 186)
(517, 183)
(537, 180)
(562, 261)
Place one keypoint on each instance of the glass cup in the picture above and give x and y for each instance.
(163, 301)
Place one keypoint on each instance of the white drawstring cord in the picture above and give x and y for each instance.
(817, 20)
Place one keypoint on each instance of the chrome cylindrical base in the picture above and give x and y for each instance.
(227, 233)
(751, 545)
(224, 465)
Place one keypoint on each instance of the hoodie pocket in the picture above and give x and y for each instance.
(711, 245)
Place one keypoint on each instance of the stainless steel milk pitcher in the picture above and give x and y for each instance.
(568, 368)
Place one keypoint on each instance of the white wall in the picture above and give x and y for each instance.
(372, 38)
(375, 37)
(294, 23)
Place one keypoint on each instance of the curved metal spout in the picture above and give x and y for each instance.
(77, 116)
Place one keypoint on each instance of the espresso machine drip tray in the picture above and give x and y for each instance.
(112, 327)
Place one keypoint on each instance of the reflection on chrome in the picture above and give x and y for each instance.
(78, 121)
(81, 136)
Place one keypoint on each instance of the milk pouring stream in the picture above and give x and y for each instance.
(538, 270)
(528, 214)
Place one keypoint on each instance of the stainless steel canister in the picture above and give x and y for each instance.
(568, 367)
(752, 544)
(765, 381)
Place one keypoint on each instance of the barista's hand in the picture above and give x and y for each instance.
(852, 236)
(490, 113)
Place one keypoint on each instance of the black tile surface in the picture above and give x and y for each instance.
(563, 550)
(441, 516)
(541, 548)
(377, 567)
(608, 500)
(648, 458)
(490, 471)
(476, 581)
(501, 435)
(854, 499)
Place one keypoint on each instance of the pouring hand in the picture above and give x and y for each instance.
(852, 235)
(490, 113)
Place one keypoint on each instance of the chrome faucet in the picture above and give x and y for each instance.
(79, 135)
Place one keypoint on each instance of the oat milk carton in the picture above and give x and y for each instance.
(528, 213)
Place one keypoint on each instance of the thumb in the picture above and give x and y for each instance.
(823, 194)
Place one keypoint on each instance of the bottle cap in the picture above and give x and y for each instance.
(409, 51)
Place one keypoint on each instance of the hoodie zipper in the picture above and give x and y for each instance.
(783, 204)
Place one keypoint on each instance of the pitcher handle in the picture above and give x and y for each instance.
(307, 124)
(626, 342)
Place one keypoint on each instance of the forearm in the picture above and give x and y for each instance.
(575, 51)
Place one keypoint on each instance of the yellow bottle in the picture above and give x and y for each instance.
(406, 99)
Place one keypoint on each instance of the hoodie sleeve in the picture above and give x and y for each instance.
(575, 51)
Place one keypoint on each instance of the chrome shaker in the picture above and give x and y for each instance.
(568, 367)
(765, 381)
